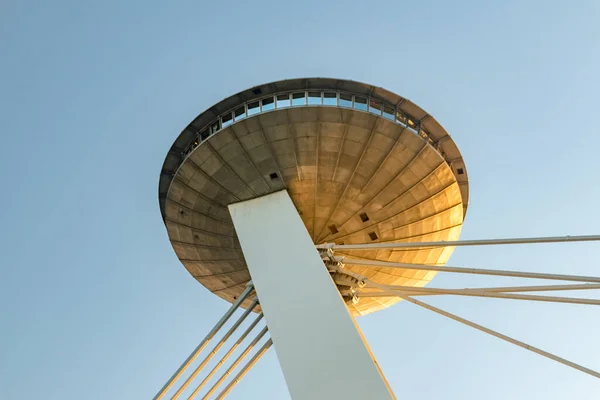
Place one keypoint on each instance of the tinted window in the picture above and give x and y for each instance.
(253, 108)
(314, 98)
(411, 123)
(283, 100)
(329, 99)
(299, 99)
(360, 103)
(401, 117)
(227, 120)
(388, 112)
(375, 107)
(268, 104)
(345, 100)
(214, 127)
(240, 113)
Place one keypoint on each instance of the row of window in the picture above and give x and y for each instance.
(308, 98)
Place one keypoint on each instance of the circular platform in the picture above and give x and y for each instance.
(361, 164)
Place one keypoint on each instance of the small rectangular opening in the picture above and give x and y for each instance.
(273, 175)
(373, 236)
(364, 217)
(333, 229)
(460, 171)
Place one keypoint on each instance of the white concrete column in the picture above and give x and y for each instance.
(319, 346)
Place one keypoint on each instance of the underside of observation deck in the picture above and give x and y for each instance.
(354, 177)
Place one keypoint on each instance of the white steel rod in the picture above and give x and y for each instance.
(406, 290)
(389, 294)
(215, 349)
(544, 288)
(550, 299)
(479, 242)
(482, 328)
(460, 270)
(514, 289)
(226, 356)
(204, 342)
(235, 363)
(245, 370)
(503, 337)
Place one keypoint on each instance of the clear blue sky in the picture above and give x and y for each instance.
(93, 301)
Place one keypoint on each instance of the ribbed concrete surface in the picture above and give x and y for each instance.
(337, 164)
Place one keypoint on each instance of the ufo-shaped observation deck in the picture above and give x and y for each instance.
(360, 163)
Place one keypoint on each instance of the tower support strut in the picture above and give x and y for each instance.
(322, 352)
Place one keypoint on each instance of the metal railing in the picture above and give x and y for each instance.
(310, 98)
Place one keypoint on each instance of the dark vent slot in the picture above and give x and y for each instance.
(273, 175)
(333, 229)
(364, 217)
(460, 171)
(373, 236)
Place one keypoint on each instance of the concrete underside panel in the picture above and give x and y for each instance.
(320, 348)
(338, 166)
